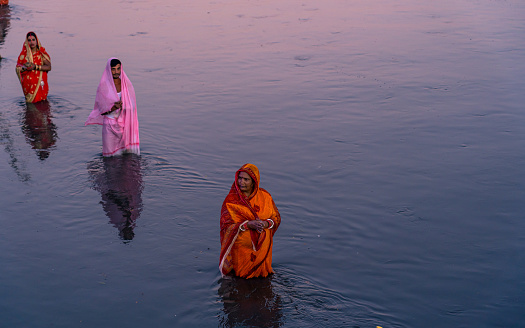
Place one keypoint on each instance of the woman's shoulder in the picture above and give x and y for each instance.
(265, 192)
(42, 51)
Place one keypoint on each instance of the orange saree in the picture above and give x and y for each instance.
(245, 252)
(34, 82)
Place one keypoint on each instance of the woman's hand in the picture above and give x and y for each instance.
(28, 66)
(258, 225)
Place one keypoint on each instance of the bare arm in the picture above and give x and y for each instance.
(46, 66)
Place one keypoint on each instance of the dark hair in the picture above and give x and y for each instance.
(33, 34)
(114, 62)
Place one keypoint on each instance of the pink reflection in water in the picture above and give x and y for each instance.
(119, 181)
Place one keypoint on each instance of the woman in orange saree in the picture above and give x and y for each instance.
(249, 219)
(31, 67)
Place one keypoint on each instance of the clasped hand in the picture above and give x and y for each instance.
(257, 224)
(28, 66)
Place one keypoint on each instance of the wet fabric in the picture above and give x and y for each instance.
(120, 133)
(248, 253)
(34, 82)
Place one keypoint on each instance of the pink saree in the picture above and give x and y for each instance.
(120, 133)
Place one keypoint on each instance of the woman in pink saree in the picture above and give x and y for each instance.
(116, 110)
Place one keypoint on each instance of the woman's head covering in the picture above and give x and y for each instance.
(27, 55)
(31, 33)
(237, 209)
(253, 172)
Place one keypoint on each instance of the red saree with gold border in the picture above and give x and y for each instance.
(34, 82)
(247, 253)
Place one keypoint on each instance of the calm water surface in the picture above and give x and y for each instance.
(390, 135)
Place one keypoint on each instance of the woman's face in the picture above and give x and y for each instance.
(31, 40)
(245, 183)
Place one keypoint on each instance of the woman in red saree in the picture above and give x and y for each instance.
(249, 219)
(32, 67)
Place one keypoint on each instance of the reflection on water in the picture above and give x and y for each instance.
(7, 139)
(33, 124)
(286, 297)
(249, 303)
(388, 130)
(39, 129)
(119, 181)
(306, 303)
(5, 22)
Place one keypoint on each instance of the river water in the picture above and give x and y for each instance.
(390, 134)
